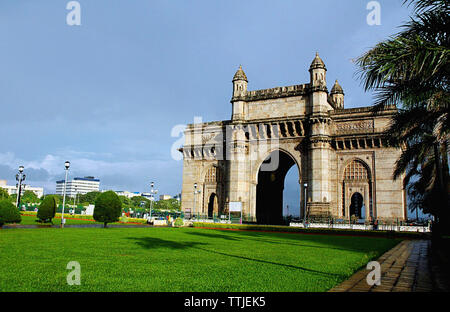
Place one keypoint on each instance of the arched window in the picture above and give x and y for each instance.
(356, 170)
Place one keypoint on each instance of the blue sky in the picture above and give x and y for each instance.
(105, 95)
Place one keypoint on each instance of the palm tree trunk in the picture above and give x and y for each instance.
(437, 160)
(445, 185)
(442, 209)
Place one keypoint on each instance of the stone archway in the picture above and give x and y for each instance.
(356, 204)
(212, 197)
(213, 206)
(270, 186)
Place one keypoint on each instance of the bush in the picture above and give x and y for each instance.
(124, 219)
(47, 209)
(9, 213)
(108, 208)
(179, 222)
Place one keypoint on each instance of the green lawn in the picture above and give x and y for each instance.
(184, 259)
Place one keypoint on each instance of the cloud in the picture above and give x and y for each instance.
(129, 174)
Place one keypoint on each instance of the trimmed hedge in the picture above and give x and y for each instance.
(108, 208)
(47, 209)
(274, 228)
(9, 213)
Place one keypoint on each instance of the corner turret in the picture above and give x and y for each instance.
(240, 83)
(337, 94)
(318, 72)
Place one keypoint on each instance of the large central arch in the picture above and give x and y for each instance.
(270, 186)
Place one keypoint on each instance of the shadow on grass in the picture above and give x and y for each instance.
(345, 243)
(256, 237)
(153, 243)
(215, 235)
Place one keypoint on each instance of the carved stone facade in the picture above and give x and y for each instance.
(345, 166)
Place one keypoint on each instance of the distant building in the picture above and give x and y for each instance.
(127, 194)
(78, 186)
(164, 197)
(147, 195)
(39, 191)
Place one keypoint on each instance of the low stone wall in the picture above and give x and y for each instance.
(209, 221)
(159, 222)
(396, 228)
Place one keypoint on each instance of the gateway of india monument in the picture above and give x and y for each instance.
(344, 164)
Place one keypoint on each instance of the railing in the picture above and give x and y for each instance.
(216, 218)
(322, 222)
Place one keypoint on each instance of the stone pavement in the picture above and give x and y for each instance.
(405, 268)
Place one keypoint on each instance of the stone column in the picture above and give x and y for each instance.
(319, 169)
(238, 185)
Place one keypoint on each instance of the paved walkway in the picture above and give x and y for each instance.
(405, 268)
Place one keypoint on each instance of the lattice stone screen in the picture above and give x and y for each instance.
(356, 171)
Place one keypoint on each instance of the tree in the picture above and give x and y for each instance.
(47, 209)
(29, 197)
(108, 208)
(89, 197)
(3, 194)
(168, 204)
(9, 213)
(138, 200)
(126, 202)
(412, 68)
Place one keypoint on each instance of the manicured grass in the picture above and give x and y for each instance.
(180, 259)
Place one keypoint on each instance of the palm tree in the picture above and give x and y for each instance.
(412, 68)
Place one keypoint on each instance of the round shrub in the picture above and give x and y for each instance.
(9, 213)
(108, 208)
(179, 222)
(47, 209)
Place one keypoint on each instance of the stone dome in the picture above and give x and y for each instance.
(240, 75)
(317, 62)
(337, 89)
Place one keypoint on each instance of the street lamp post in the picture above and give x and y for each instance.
(152, 198)
(67, 166)
(76, 195)
(305, 206)
(195, 196)
(195, 193)
(20, 177)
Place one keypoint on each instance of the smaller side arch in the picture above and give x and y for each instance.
(356, 178)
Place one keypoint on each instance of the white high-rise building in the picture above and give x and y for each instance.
(78, 186)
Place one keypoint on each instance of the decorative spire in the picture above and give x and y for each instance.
(317, 62)
(337, 89)
(240, 75)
